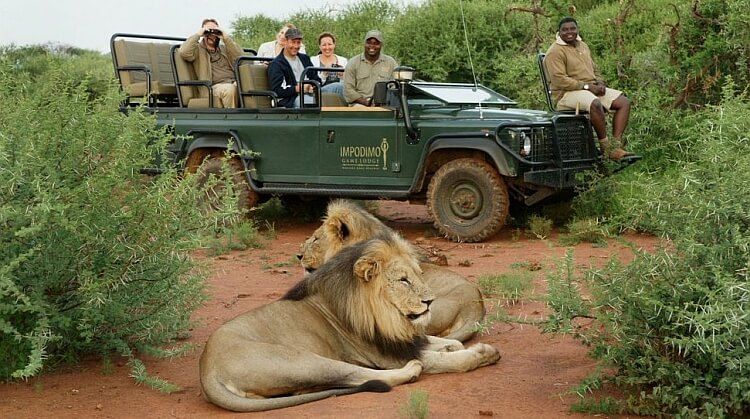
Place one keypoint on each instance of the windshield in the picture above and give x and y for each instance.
(457, 94)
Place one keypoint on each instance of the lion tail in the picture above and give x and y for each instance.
(231, 401)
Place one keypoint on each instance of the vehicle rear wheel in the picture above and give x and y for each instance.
(468, 200)
(211, 182)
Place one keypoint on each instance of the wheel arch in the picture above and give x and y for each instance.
(209, 144)
(443, 150)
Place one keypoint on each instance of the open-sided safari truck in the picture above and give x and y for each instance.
(462, 149)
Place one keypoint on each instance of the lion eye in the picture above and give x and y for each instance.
(405, 281)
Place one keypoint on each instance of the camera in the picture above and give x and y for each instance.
(212, 32)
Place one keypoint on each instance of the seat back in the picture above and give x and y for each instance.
(252, 81)
(143, 67)
(162, 68)
(191, 92)
(545, 80)
(133, 65)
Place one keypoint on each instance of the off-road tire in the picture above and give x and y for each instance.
(247, 198)
(468, 200)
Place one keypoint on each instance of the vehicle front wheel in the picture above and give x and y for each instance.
(468, 200)
(211, 183)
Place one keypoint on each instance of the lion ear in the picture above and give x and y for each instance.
(344, 231)
(366, 268)
(338, 228)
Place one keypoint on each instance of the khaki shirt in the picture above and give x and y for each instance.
(569, 67)
(361, 75)
(194, 51)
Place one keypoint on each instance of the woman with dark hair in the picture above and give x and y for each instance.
(327, 56)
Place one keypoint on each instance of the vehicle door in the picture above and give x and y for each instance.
(285, 141)
(360, 146)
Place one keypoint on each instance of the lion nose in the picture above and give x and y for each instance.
(427, 302)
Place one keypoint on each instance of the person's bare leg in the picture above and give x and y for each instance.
(598, 121)
(621, 106)
(596, 114)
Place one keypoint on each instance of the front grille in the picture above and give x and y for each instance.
(566, 141)
(542, 145)
(574, 137)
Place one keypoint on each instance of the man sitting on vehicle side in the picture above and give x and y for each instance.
(576, 84)
(286, 69)
(366, 69)
(212, 62)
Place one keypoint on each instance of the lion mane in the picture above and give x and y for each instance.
(362, 309)
(458, 305)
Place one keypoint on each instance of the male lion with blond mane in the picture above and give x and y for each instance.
(356, 324)
(458, 305)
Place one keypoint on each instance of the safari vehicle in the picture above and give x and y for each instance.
(462, 149)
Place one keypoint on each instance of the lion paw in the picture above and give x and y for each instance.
(488, 353)
(414, 367)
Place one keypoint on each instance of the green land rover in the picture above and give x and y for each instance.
(463, 150)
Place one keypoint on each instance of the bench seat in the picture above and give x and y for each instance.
(144, 70)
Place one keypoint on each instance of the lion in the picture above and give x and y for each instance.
(356, 324)
(458, 305)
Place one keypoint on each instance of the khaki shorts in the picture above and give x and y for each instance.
(581, 99)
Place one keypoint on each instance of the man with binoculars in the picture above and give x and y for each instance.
(213, 61)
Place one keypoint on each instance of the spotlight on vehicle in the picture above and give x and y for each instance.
(403, 73)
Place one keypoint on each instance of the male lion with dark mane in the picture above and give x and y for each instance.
(356, 324)
(458, 305)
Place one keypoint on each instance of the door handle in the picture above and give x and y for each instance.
(331, 136)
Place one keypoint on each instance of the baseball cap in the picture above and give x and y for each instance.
(293, 33)
(374, 34)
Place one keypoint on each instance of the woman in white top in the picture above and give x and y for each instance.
(328, 58)
(273, 48)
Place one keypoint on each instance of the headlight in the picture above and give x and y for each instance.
(525, 142)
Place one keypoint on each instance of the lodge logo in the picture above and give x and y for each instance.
(364, 157)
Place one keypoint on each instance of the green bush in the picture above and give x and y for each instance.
(90, 69)
(94, 256)
(712, 45)
(674, 323)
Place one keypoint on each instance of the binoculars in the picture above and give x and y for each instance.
(212, 32)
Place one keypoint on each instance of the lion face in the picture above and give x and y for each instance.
(345, 223)
(394, 274)
(313, 252)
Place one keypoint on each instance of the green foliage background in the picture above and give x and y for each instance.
(672, 324)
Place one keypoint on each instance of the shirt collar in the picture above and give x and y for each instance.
(380, 58)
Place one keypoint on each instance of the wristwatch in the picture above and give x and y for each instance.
(586, 86)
